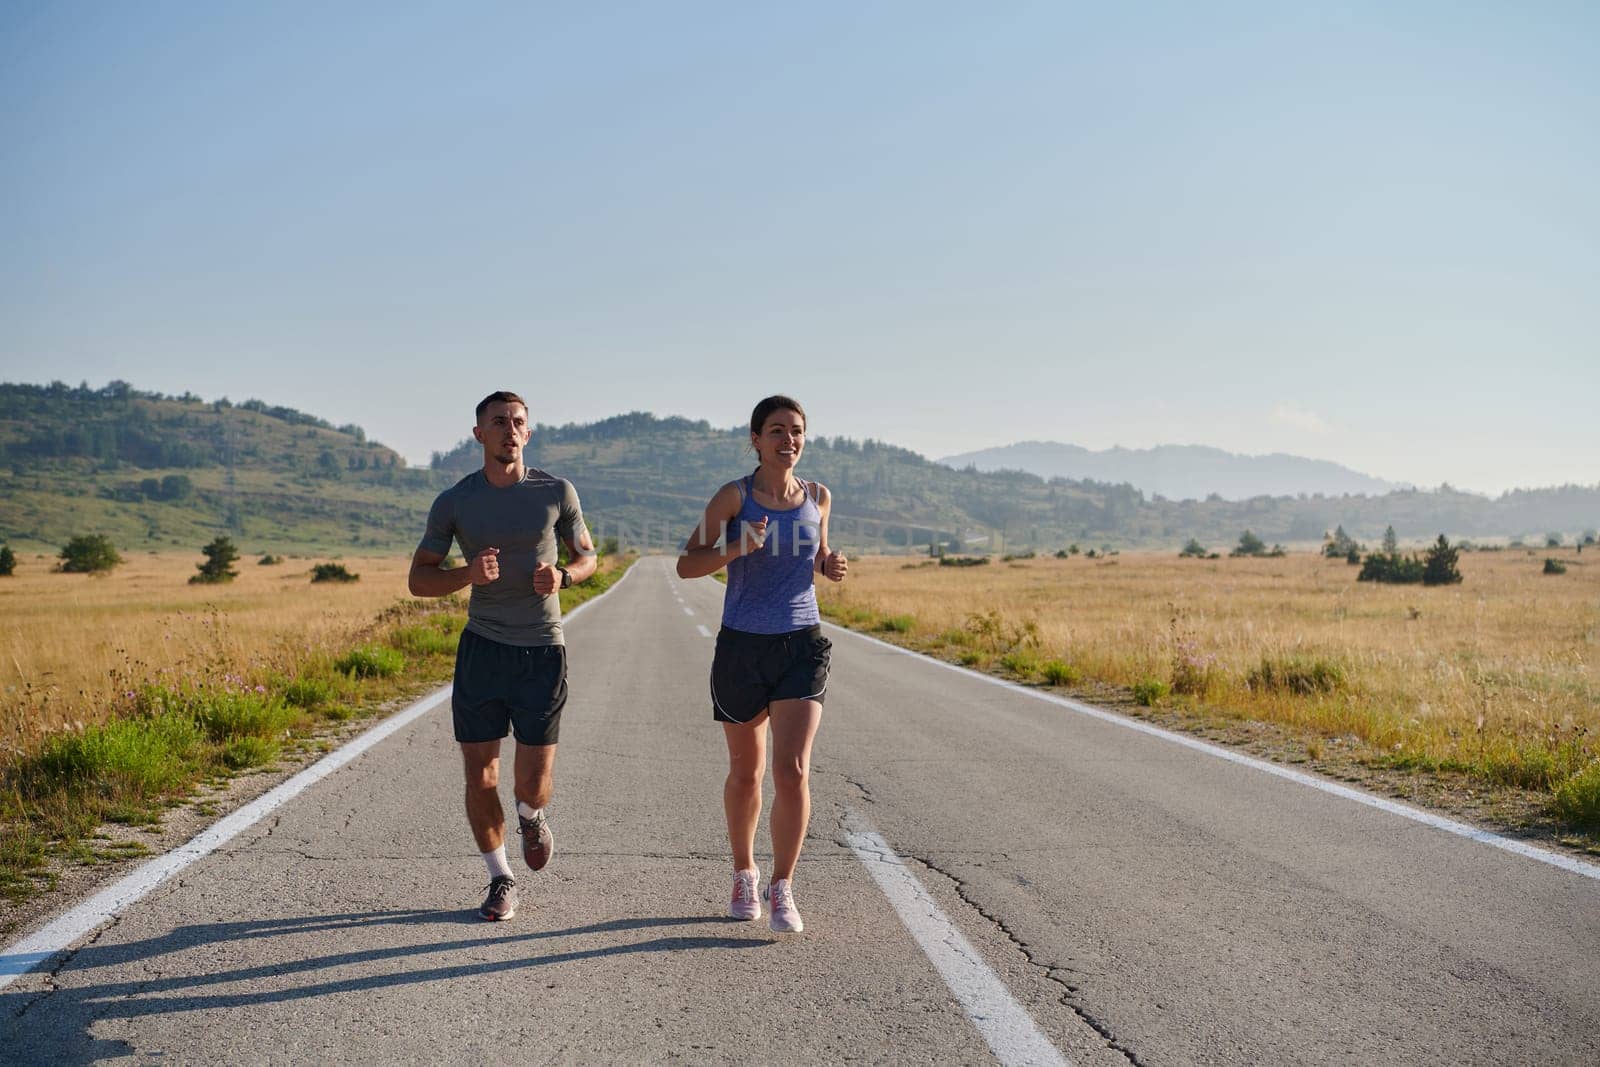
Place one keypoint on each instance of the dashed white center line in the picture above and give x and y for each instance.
(1007, 1028)
(687, 610)
(703, 631)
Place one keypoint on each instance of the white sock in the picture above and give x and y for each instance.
(496, 861)
(528, 811)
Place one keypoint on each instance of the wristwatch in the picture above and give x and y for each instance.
(566, 577)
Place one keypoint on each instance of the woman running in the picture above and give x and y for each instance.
(771, 663)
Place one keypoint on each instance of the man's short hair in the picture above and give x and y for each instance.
(500, 397)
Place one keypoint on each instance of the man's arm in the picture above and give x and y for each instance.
(581, 563)
(427, 578)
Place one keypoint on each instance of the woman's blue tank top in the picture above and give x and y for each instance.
(772, 591)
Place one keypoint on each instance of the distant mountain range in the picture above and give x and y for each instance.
(170, 472)
(1179, 472)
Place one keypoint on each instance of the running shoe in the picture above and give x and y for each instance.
(785, 916)
(501, 903)
(538, 843)
(746, 903)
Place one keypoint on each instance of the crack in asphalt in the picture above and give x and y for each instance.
(62, 959)
(1069, 994)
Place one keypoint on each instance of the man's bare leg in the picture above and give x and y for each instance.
(481, 764)
(535, 778)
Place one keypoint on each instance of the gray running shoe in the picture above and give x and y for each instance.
(538, 843)
(501, 903)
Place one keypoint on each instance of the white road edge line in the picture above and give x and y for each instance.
(1006, 1027)
(702, 628)
(60, 933)
(1393, 807)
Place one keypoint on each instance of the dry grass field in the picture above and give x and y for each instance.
(72, 644)
(1494, 677)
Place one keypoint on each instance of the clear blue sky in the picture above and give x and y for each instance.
(1368, 235)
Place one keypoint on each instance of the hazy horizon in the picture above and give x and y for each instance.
(1365, 235)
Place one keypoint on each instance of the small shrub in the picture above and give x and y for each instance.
(1017, 555)
(1294, 674)
(332, 572)
(228, 715)
(897, 624)
(959, 638)
(311, 693)
(1393, 570)
(1554, 566)
(89, 554)
(1149, 691)
(972, 657)
(1577, 800)
(269, 560)
(1023, 662)
(1194, 549)
(370, 661)
(250, 751)
(963, 561)
(8, 561)
(1059, 672)
(1353, 556)
(1193, 671)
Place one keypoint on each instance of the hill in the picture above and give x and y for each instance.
(163, 472)
(1179, 472)
(154, 471)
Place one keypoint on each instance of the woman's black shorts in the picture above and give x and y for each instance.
(500, 688)
(750, 671)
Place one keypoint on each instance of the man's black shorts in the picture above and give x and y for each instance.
(750, 671)
(500, 688)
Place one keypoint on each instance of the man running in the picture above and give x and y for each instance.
(511, 663)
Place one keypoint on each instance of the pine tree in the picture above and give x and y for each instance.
(8, 561)
(1391, 543)
(220, 555)
(1249, 545)
(1439, 565)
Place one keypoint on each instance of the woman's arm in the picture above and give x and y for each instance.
(702, 555)
(831, 564)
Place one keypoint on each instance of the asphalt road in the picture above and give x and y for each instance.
(1137, 900)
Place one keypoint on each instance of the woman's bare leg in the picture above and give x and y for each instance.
(741, 792)
(794, 726)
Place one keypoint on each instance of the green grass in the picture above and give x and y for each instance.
(1301, 675)
(1149, 691)
(1023, 662)
(370, 661)
(313, 692)
(1577, 800)
(436, 637)
(898, 624)
(1059, 672)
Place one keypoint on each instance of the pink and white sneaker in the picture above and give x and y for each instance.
(785, 916)
(746, 904)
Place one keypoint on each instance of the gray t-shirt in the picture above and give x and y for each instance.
(522, 521)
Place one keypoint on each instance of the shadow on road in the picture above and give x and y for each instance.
(56, 1022)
